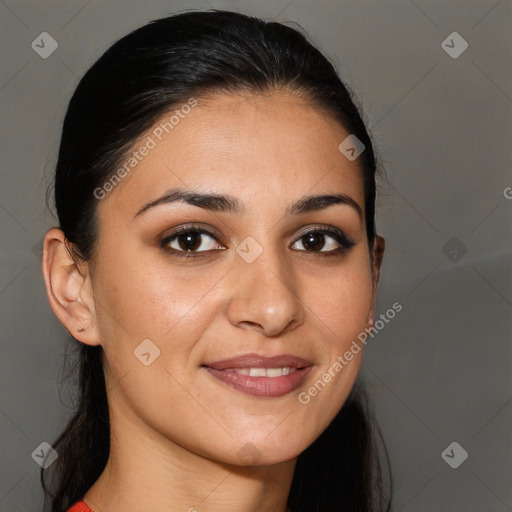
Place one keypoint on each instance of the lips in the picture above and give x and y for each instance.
(262, 376)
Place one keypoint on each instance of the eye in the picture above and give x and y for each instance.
(335, 241)
(189, 240)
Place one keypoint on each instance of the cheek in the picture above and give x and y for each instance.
(142, 298)
(340, 310)
(342, 302)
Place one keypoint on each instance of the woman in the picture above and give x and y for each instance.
(216, 258)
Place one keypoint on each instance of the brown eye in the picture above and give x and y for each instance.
(333, 240)
(190, 240)
(313, 241)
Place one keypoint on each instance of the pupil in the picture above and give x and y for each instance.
(193, 241)
(310, 241)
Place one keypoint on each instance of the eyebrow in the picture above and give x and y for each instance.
(230, 204)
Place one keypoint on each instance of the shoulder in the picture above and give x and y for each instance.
(80, 507)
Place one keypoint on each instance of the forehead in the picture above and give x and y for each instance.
(265, 149)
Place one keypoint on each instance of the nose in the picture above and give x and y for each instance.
(265, 295)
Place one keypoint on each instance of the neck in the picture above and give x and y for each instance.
(153, 473)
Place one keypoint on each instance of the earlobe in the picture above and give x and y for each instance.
(68, 287)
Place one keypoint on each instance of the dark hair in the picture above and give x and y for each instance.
(137, 80)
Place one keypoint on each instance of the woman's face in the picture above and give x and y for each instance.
(258, 286)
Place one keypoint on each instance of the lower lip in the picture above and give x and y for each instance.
(261, 386)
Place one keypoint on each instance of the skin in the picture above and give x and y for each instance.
(176, 431)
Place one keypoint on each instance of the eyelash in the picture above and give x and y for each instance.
(338, 235)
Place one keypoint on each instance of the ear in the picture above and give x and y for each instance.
(69, 288)
(379, 245)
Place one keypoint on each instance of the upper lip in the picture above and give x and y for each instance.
(259, 361)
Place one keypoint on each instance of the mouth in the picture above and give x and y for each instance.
(261, 376)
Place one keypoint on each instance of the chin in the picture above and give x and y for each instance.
(266, 453)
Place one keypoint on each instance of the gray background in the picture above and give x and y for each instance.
(440, 370)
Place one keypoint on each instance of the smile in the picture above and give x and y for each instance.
(261, 376)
